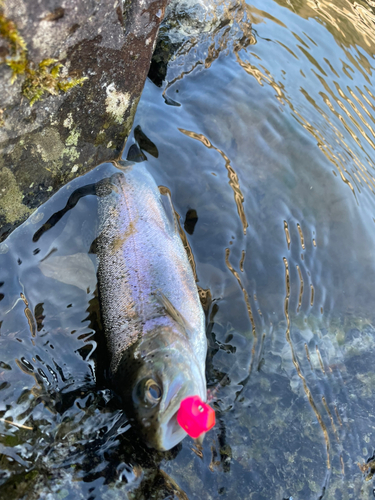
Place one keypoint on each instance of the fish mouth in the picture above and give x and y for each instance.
(172, 433)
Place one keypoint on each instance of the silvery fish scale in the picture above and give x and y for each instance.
(151, 310)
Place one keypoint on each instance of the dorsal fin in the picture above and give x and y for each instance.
(123, 164)
(166, 201)
(172, 311)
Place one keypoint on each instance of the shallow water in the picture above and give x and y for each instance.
(268, 134)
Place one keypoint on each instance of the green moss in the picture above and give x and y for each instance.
(11, 206)
(72, 139)
(47, 78)
(41, 78)
(100, 139)
(20, 485)
(71, 142)
(17, 59)
(71, 153)
(49, 145)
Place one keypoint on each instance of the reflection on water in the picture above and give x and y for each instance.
(327, 95)
(262, 129)
(233, 178)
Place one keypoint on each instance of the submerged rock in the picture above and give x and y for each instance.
(71, 76)
(194, 33)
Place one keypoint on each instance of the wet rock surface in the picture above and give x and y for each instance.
(71, 76)
(193, 34)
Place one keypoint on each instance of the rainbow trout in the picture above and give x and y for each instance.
(153, 319)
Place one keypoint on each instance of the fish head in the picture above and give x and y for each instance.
(164, 376)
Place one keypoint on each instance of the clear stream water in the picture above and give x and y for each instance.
(263, 131)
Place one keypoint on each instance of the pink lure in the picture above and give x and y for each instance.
(195, 416)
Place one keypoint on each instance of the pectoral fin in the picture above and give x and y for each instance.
(77, 270)
(172, 311)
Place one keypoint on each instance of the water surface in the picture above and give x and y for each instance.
(263, 131)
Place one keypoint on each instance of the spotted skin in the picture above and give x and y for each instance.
(141, 260)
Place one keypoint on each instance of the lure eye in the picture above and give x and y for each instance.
(152, 392)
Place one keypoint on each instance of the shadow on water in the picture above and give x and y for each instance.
(261, 127)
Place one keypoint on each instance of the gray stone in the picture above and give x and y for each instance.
(104, 49)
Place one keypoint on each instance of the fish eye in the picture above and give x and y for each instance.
(152, 392)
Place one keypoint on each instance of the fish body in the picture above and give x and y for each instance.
(153, 319)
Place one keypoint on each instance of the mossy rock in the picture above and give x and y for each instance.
(71, 78)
